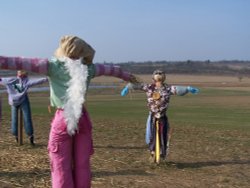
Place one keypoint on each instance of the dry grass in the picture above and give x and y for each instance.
(199, 158)
(24, 166)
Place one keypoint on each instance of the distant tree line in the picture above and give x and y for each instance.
(233, 67)
(190, 67)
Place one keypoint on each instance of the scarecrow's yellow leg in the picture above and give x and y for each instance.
(157, 144)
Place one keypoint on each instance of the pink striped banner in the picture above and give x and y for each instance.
(36, 65)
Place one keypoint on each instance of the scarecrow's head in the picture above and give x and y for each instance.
(75, 48)
(21, 73)
(159, 76)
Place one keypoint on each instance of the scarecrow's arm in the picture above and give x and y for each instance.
(112, 70)
(135, 86)
(33, 82)
(36, 65)
(183, 90)
(6, 81)
(175, 90)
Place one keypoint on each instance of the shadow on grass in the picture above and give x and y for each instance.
(25, 174)
(39, 145)
(120, 147)
(121, 173)
(207, 164)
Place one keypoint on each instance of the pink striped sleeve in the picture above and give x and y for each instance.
(36, 65)
(111, 70)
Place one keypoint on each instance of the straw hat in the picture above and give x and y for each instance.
(75, 48)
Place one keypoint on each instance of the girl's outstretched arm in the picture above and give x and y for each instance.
(36, 65)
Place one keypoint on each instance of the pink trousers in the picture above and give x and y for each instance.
(70, 155)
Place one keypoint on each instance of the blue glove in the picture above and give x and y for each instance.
(124, 91)
(193, 90)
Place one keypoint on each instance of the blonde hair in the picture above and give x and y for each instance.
(74, 47)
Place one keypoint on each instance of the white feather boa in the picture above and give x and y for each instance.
(75, 95)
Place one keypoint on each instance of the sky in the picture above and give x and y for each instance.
(129, 30)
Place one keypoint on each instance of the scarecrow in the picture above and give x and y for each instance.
(69, 73)
(17, 89)
(158, 131)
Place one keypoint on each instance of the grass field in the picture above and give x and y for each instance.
(210, 146)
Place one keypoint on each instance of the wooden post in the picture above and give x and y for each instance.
(20, 127)
(0, 111)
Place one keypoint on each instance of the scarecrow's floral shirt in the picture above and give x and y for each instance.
(158, 98)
